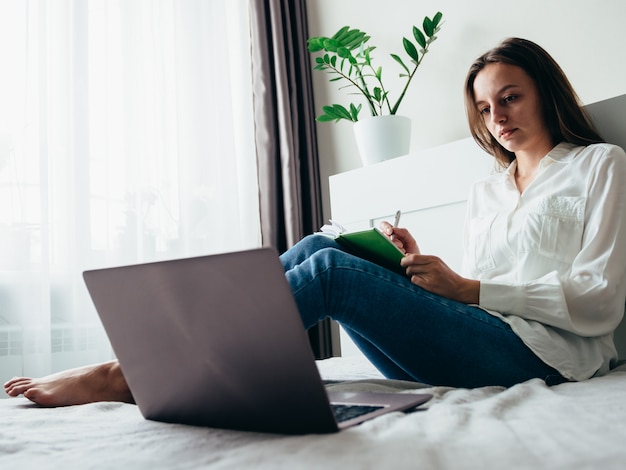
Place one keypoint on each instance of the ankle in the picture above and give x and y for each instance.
(115, 381)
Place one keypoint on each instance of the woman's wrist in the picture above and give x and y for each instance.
(470, 292)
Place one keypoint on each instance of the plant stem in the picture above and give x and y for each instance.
(363, 89)
(406, 86)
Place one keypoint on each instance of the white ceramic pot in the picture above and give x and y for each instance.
(380, 138)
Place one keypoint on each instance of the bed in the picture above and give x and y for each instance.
(530, 425)
(569, 426)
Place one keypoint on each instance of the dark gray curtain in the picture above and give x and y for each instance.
(286, 142)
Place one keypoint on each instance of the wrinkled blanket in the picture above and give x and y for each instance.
(569, 426)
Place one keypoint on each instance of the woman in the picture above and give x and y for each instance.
(544, 274)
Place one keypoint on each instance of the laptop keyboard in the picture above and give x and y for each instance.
(346, 412)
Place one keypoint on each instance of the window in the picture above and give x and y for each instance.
(126, 136)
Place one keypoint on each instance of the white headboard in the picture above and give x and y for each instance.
(609, 117)
(430, 187)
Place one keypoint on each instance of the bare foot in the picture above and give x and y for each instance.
(101, 382)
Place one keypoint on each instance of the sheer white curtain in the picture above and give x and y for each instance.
(126, 136)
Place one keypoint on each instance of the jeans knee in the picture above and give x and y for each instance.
(331, 257)
(313, 244)
(317, 242)
(305, 249)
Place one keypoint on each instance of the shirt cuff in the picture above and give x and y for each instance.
(502, 297)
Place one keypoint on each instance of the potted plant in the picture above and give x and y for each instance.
(348, 58)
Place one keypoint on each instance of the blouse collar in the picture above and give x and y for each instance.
(562, 152)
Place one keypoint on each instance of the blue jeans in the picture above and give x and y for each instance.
(405, 331)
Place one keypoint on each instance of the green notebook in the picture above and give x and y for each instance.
(370, 244)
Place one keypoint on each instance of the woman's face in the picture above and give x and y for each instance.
(508, 101)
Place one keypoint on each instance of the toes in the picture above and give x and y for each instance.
(17, 386)
(41, 397)
(32, 394)
(13, 381)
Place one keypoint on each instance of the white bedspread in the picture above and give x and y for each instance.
(573, 425)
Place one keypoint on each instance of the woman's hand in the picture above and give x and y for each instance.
(400, 237)
(432, 274)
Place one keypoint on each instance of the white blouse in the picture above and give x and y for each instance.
(552, 261)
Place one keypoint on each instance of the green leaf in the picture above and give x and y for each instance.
(419, 37)
(367, 55)
(354, 112)
(340, 33)
(399, 60)
(342, 63)
(410, 49)
(315, 44)
(429, 29)
(363, 39)
(437, 19)
(354, 39)
(349, 38)
(343, 52)
(325, 118)
(367, 60)
(336, 112)
(379, 73)
(331, 45)
(346, 35)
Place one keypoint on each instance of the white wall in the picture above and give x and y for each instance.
(587, 38)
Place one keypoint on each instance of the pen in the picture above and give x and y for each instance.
(397, 219)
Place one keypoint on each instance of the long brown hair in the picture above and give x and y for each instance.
(562, 111)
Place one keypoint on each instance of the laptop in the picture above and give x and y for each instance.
(218, 341)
